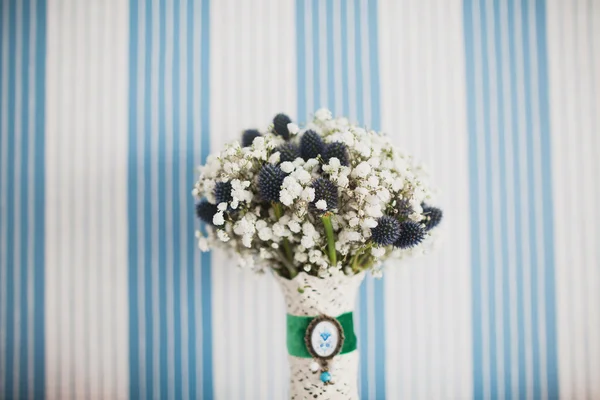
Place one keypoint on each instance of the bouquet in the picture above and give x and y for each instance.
(331, 198)
(319, 206)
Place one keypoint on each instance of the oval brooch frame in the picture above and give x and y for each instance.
(309, 334)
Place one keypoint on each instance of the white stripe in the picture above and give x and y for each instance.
(86, 158)
(421, 61)
(255, 90)
(574, 106)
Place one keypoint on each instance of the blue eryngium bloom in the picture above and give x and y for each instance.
(280, 123)
(287, 152)
(324, 190)
(337, 150)
(206, 211)
(248, 137)
(386, 232)
(270, 179)
(411, 234)
(433, 216)
(311, 145)
(223, 192)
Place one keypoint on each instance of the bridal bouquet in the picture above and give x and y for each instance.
(330, 198)
(319, 206)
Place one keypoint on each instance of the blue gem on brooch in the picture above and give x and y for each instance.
(324, 338)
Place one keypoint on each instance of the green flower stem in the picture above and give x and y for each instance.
(356, 262)
(286, 244)
(330, 239)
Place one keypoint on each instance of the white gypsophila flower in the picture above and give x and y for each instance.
(302, 175)
(293, 128)
(321, 204)
(361, 170)
(323, 114)
(378, 179)
(294, 226)
(222, 235)
(287, 167)
(378, 251)
(203, 244)
(218, 218)
(308, 194)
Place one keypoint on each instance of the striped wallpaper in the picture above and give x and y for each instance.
(107, 106)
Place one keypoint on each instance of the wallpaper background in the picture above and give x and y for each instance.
(107, 106)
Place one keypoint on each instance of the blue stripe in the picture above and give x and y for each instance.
(361, 83)
(207, 357)
(190, 151)
(24, 223)
(474, 202)
(301, 67)
(379, 288)
(132, 209)
(151, 165)
(175, 217)
(10, 263)
(316, 57)
(330, 58)
(545, 243)
(39, 354)
(548, 207)
(522, 376)
(504, 235)
(162, 209)
(147, 200)
(491, 282)
(358, 56)
(344, 46)
(533, 251)
(30, 249)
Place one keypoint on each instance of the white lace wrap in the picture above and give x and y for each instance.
(332, 297)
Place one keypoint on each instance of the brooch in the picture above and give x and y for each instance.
(324, 339)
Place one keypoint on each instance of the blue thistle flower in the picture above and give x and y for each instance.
(270, 179)
(324, 190)
(280, 125)
(433, 216)
(386, 232)
(311, 145)
(287, 152)
(411, 234)
(248, 137)
(223, 192)
(205, 211)
(403, 208)
(338, 150)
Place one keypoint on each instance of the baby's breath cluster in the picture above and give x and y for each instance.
(327, 199)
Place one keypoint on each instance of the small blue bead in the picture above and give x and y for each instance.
(325, 377)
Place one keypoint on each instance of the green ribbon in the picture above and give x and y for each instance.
(296, 330)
